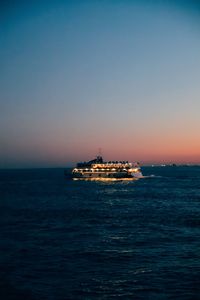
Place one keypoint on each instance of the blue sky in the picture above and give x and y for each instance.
(78, 75)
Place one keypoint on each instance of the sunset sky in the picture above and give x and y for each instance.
(79, 75)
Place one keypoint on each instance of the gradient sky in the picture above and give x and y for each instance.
(79, 75)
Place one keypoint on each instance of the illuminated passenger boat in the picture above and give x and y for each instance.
(97, 169)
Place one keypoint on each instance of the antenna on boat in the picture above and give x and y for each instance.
(99, 151)
(99, 156)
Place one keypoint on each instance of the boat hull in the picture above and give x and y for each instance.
(98, 176)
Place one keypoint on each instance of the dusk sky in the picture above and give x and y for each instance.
(79, 75)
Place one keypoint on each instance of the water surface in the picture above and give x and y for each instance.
(64, 239)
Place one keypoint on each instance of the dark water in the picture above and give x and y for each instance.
(62, 239)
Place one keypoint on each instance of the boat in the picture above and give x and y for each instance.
(98, 169)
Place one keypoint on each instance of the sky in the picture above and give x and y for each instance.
(78, 75)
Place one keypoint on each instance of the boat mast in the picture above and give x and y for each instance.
(99, 151)
(99, 156)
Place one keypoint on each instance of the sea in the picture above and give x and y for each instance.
(63, 239)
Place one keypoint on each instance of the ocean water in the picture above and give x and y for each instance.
(64, 239)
